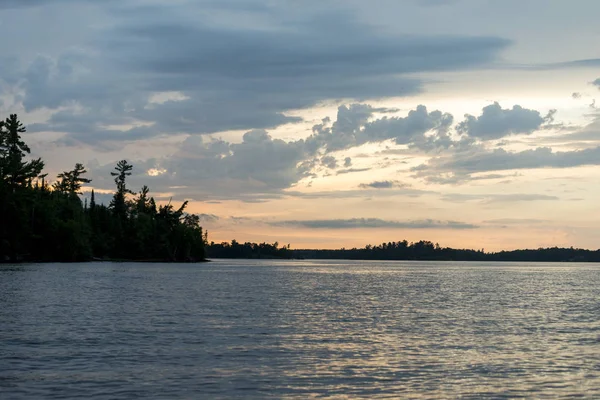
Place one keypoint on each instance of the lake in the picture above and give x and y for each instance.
(299, 329)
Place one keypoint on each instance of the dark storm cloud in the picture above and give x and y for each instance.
(496, 122)
(234, 75)
(375, 223)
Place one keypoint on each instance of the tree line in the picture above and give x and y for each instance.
(247, 250)
(400, 250)
(40, 221)
(426, 250)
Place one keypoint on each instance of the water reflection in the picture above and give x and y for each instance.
(300, 329)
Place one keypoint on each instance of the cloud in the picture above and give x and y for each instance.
(257, 168)
(381, 185)
(576, 95)
(208, 218)
(579, 135)
(517, 221)
(585, 63)
(498, 198)
(375, 223)
(460, 167)
(261, 166)
(435, 3)
(237, 67)
(6, 4)
(353, 127)
(352, 170)
(496, 122)
(397, 191)
(500, 159)
(596, 83)
(450, 179)
(329, 162)
(410, 129)
(377, 185)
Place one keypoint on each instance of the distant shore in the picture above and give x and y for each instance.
(401, 251)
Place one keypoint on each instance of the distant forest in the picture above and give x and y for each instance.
(42, 222)
(402, 250)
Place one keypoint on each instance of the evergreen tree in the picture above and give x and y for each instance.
(13, 170)
(39, 223)
(119, 201)
(16, 176)
(70, 181)
(92, 201)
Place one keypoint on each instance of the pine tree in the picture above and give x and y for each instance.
(13, 170)
(71, 181)
(118, 203)
(92, 201)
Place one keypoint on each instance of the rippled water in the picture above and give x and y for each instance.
(273, 329)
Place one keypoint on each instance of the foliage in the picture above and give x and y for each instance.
(13, 170)
(247, 250)
(425, 250)
(39, 222)
(71, 181)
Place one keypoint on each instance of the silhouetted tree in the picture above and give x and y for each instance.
(71, 181)
(13, 169)
(43, 223)
(92, 201)
(118, 203)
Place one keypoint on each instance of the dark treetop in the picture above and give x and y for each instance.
(39, 222)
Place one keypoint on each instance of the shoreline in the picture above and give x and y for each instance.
(120, 261)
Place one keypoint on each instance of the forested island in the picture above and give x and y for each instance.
(42, 222)
(401, 250)
(426, 250)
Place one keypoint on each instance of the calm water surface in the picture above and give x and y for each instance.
(273, 329)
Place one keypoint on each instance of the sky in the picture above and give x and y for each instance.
(324, 124)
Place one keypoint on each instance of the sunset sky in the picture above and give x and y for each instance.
(324, 124)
